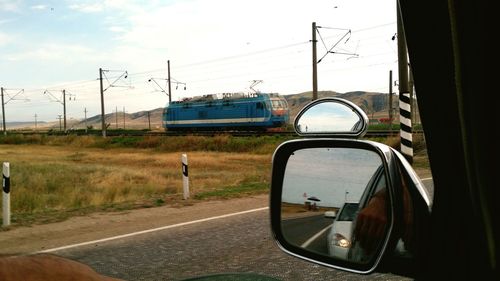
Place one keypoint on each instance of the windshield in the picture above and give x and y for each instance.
(348, 212)
(138, 135)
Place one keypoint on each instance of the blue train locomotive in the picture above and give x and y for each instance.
(232, 111)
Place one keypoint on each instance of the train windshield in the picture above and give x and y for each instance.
(278, 104)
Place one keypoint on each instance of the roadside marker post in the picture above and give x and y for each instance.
(6, 194)
(185, 176)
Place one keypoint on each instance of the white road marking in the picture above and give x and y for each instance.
(316, 236)
(151, 230)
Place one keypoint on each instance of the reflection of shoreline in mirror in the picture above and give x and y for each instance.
(319, 180)
(289, 210)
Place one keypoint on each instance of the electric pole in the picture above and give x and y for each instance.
(412, 96)
(64, 106)
(60, 119)
(103, 123)
(86, 127)
(111, 84)
(116, 117)
(314, 63)
(3, 115)
(390, 97)
(169, 84)
(404, 92)
(149, 120)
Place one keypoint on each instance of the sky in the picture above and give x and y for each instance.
(214, 46)
(333, 175)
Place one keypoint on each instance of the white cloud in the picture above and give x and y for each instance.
(39, 7)
(88, 8)
(59, 52)
(117, 29)
(9, 5)
(5, 39)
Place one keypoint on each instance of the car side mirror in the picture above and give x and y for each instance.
(331, 116)
(349, 204)
(321, 192)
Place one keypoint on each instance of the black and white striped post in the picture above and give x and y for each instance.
(6, 194)
(185, 176)
(404, 92)
(406, 127)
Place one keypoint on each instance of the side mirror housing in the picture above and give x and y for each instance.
(367, 207)
(349, 204)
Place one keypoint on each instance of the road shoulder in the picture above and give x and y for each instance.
(24, 240)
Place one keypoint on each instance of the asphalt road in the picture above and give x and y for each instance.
(241, 243)
(313, 236)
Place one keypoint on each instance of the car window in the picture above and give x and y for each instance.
(348, 212)
(102, 99)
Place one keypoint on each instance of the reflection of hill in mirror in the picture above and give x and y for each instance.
(334, 175)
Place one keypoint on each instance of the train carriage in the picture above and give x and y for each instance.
(236, 111)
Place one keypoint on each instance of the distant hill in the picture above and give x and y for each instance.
(375, 105)
(136, 120)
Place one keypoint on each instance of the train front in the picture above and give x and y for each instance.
(280, 112)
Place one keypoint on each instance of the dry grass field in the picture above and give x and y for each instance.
(54, 177)
(50, 182)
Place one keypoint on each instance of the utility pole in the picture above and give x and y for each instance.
(404, 92)
(36, 122)
(60, 125)
(390, 98)
(149, 120)
(103, 122)
(85, 111)
(412, 96)
(64, 106)
(116, 117)
(314, 63)
(3, 115)
(169, 84)
(124, 117)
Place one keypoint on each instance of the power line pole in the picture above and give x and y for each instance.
(149, 120)
(404, 92)
(103, 123)
(390, 98)
(60, 123)
(85, 111)
(412, 96)
(169, 84)
(3, 115)
(64, 106)
(314, 63)
(116, 117)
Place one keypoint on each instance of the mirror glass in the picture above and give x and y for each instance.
(329, 117)
(334, 202)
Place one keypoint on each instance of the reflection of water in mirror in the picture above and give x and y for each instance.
(333, 175)
(328, 117)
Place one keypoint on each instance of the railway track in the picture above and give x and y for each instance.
(111, 133)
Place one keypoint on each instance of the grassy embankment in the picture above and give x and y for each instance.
(54, 177)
